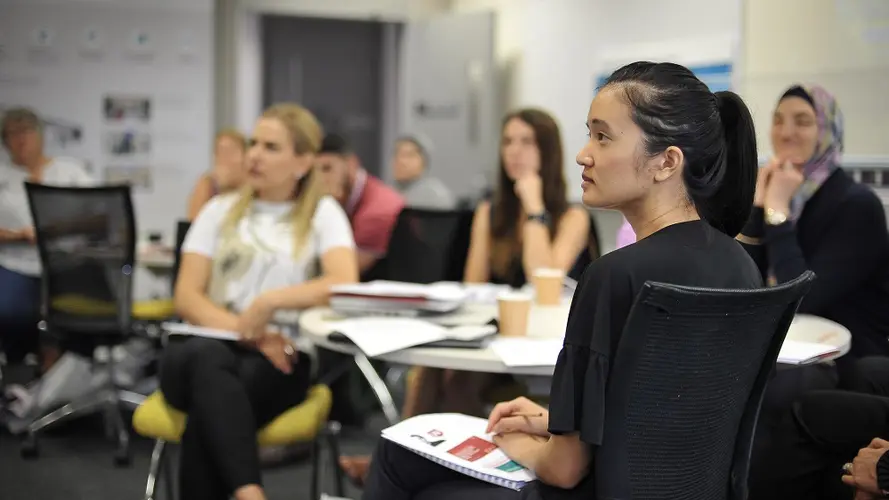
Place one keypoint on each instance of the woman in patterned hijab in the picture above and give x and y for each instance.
(810, 214)
(807, 133)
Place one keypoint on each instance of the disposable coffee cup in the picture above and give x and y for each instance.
(548, 286)
(513, 309)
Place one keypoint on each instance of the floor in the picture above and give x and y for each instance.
(76, 463)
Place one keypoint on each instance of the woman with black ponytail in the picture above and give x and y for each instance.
(679, 162)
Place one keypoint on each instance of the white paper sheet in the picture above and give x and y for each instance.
(376, 336)
(524, 351)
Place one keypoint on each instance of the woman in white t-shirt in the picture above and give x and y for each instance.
(249, 259)
(22, 135)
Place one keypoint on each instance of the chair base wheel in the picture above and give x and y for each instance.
(122, 461)
(123, 458)
(30, 450)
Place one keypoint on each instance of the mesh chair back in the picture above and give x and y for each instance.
(685, 390)
(86, 238)
(426, 246)
(181, 230)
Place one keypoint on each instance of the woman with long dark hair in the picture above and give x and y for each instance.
(529, 224)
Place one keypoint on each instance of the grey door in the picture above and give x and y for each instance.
(332, 67)
(448, 91)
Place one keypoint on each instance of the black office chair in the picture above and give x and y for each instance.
(427, 246)
(86, 239)
(182, 228)
(686, 387)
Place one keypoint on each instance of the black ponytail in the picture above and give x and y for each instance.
(735, 196)
(714, 131)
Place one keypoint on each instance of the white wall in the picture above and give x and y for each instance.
(65, 81)
(830, 42)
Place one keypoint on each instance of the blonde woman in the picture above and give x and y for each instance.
(229, 170)
(248, 257)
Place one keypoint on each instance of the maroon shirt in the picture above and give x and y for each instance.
(373, 209)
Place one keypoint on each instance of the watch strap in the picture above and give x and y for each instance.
(541, 217)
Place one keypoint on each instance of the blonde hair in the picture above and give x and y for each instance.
(306, 135)
(233, 134)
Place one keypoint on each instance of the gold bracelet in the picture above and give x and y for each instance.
(747, 240)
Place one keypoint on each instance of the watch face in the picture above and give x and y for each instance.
(775, 218)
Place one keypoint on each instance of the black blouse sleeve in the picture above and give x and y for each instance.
(755, 230)
(599, 310)
(848, 251)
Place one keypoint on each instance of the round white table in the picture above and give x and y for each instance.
(317, 323)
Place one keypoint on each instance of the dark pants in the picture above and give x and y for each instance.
(229, 393)
(399, 474)
(823, 430)
(19, 313)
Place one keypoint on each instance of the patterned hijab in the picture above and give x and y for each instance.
(828, 147)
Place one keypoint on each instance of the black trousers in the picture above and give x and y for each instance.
(19, 314)
(399, 474)
(823, 430)
(229, 393)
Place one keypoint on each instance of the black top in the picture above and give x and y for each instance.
(689, 254)
(841, 235)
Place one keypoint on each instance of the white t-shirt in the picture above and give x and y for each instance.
(15, 213)
(267, 232)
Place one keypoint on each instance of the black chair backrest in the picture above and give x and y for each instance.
(182, 228)
(685, 390)
(427, 246)
(86, 238)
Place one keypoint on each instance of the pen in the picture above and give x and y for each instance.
(526, 415)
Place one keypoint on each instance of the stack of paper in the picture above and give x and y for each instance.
(376, 336)
(483, 293)
(396, 298)
(794, 352)
(459, 442)
(524, 351)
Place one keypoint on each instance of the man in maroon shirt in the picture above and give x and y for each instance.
(371, 205)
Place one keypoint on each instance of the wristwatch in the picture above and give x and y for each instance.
(774, 217)
(542, 217)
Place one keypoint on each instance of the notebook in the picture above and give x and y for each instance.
(459, 442)
(396, 298)
(794, 352)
